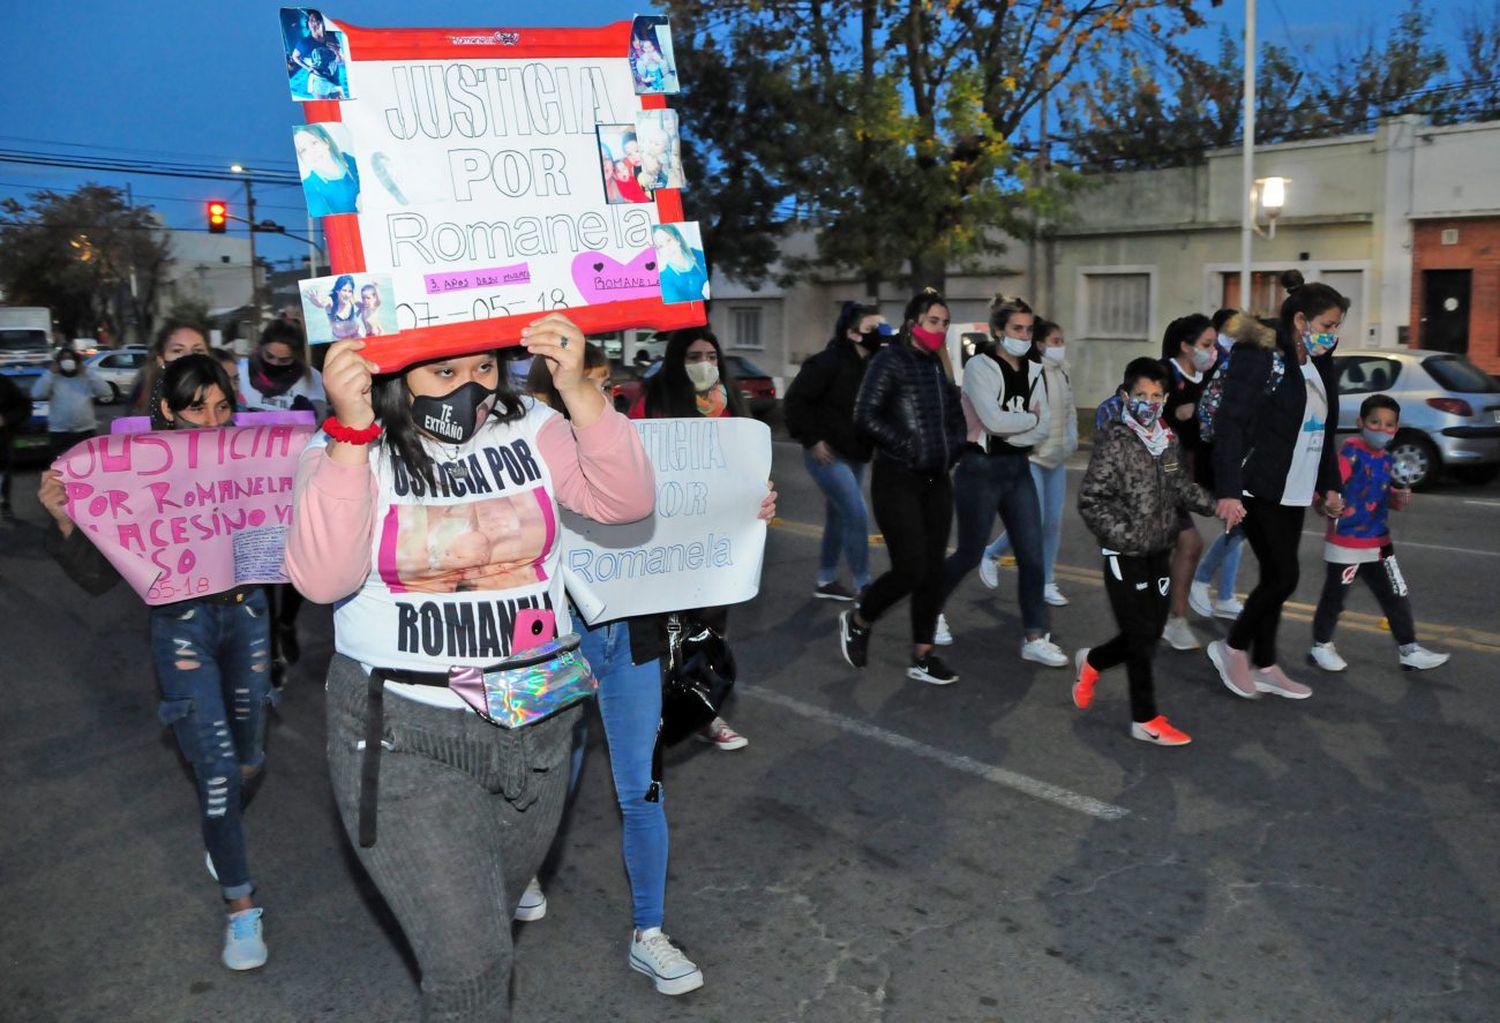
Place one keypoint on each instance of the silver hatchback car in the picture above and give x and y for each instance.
(1450, 410)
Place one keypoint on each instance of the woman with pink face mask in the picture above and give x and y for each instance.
(909, 408)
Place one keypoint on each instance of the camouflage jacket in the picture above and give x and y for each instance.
(1130, 499)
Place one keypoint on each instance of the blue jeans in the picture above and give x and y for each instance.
(1052, 490)
(982, 485)
(1222, 556)
(213, 666)
(630, 704)
(846, 523)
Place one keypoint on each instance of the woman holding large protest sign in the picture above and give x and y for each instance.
(430, 516)
(211, 654)
(910, 409)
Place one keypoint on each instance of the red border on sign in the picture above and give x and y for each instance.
(346, 253)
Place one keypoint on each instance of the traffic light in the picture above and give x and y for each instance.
(218, 216)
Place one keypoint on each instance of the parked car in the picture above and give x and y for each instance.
(1450, 410)
(31, 440)
(118, 368)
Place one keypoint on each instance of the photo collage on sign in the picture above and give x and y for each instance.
(637, 160)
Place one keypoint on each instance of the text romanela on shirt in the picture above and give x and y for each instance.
(450, 630)
(486, 471)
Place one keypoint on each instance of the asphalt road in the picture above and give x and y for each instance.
(883, 850)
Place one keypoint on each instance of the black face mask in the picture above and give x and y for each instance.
(455, 416)
(281, 373)
(871, 340)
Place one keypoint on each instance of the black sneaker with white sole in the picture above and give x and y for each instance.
(931, 669)
(853, 640)
(833, 591)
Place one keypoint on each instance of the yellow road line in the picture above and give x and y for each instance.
(1452, 635)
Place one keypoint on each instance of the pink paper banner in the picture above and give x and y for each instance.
(272, 417)
(187, 513)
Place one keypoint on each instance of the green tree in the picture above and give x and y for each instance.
(88, 255)
(1400, 73)
(889, 126)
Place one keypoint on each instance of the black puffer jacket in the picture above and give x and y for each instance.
(1255, 432)
(911, 410)
(819, 406)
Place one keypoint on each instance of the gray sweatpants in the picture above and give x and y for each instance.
(466, 813)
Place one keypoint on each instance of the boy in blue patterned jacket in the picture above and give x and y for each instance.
(1359, 541)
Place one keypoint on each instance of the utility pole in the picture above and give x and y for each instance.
(254, 266)
(1247, 185)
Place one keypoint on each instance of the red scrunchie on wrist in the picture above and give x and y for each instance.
(348, 434)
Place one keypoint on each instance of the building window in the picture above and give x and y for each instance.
(744, 329)
(1266, 294)
(1118, 305)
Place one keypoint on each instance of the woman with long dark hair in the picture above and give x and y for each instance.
(173, 340)
(430, 517)
(910, 410)
(1274, 456)
(819, 411)
(692, 380)
(211, 655)
(1189, 349)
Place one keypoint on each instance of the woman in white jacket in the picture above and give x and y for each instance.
(1048, 460)
(1007, 414)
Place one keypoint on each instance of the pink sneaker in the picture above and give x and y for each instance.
(721, 735)
(1234, 669)
(1274, 680)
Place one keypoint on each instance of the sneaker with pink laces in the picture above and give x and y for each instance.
(1234, 669)
(1274, 680)
(721, 735)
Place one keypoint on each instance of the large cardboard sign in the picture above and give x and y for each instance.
(187, 513)
(482, 192)
(704, 546)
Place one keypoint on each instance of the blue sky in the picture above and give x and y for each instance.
(202, 81)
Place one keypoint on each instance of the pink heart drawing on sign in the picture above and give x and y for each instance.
(602, 278)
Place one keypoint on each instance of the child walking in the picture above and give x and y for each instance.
(1132, 497)
(1359, 542)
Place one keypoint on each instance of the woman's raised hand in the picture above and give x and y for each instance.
(347, 378)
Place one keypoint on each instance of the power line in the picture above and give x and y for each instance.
(165, 198)
(152, 169)
(128, 149)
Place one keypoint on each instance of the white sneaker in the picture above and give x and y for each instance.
(1054, 596)
(1043, 651)
(989, 572)
(1179, 635)
(1228, 609)
(244, 941)
(654, 955)
(1200, 601)
(1414, 656)
(1326, 656)
(941, 636)
(208, 861)
(533, 904)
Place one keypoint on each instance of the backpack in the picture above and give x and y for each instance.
(1213, 391)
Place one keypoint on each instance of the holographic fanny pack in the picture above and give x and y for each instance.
(526, 687)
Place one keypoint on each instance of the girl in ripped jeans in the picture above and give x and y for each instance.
(212, 658)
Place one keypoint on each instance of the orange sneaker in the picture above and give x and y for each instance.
(1083, 689)
(1160, 731)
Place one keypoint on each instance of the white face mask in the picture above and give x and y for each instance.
(1204, 358)
(703, 375)
(1017, 346)
(1054, 353)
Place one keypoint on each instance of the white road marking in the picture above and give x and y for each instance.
(1013, 780)
(1424, 546)
(1484, 504)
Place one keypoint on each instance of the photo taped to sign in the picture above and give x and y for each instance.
(652, 65)
(329, 169)
(482, 197)
(317, 55)
(347, 306)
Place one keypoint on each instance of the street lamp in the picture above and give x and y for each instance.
(1269, 194)
(236, 168)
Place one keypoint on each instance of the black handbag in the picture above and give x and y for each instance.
(696, 680)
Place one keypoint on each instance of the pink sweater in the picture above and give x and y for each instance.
(600, 472)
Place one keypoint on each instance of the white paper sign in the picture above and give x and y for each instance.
(704, 546)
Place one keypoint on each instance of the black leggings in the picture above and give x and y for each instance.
(1137, 589)
(1274, 532)
(915, 514)
(1384, 579)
